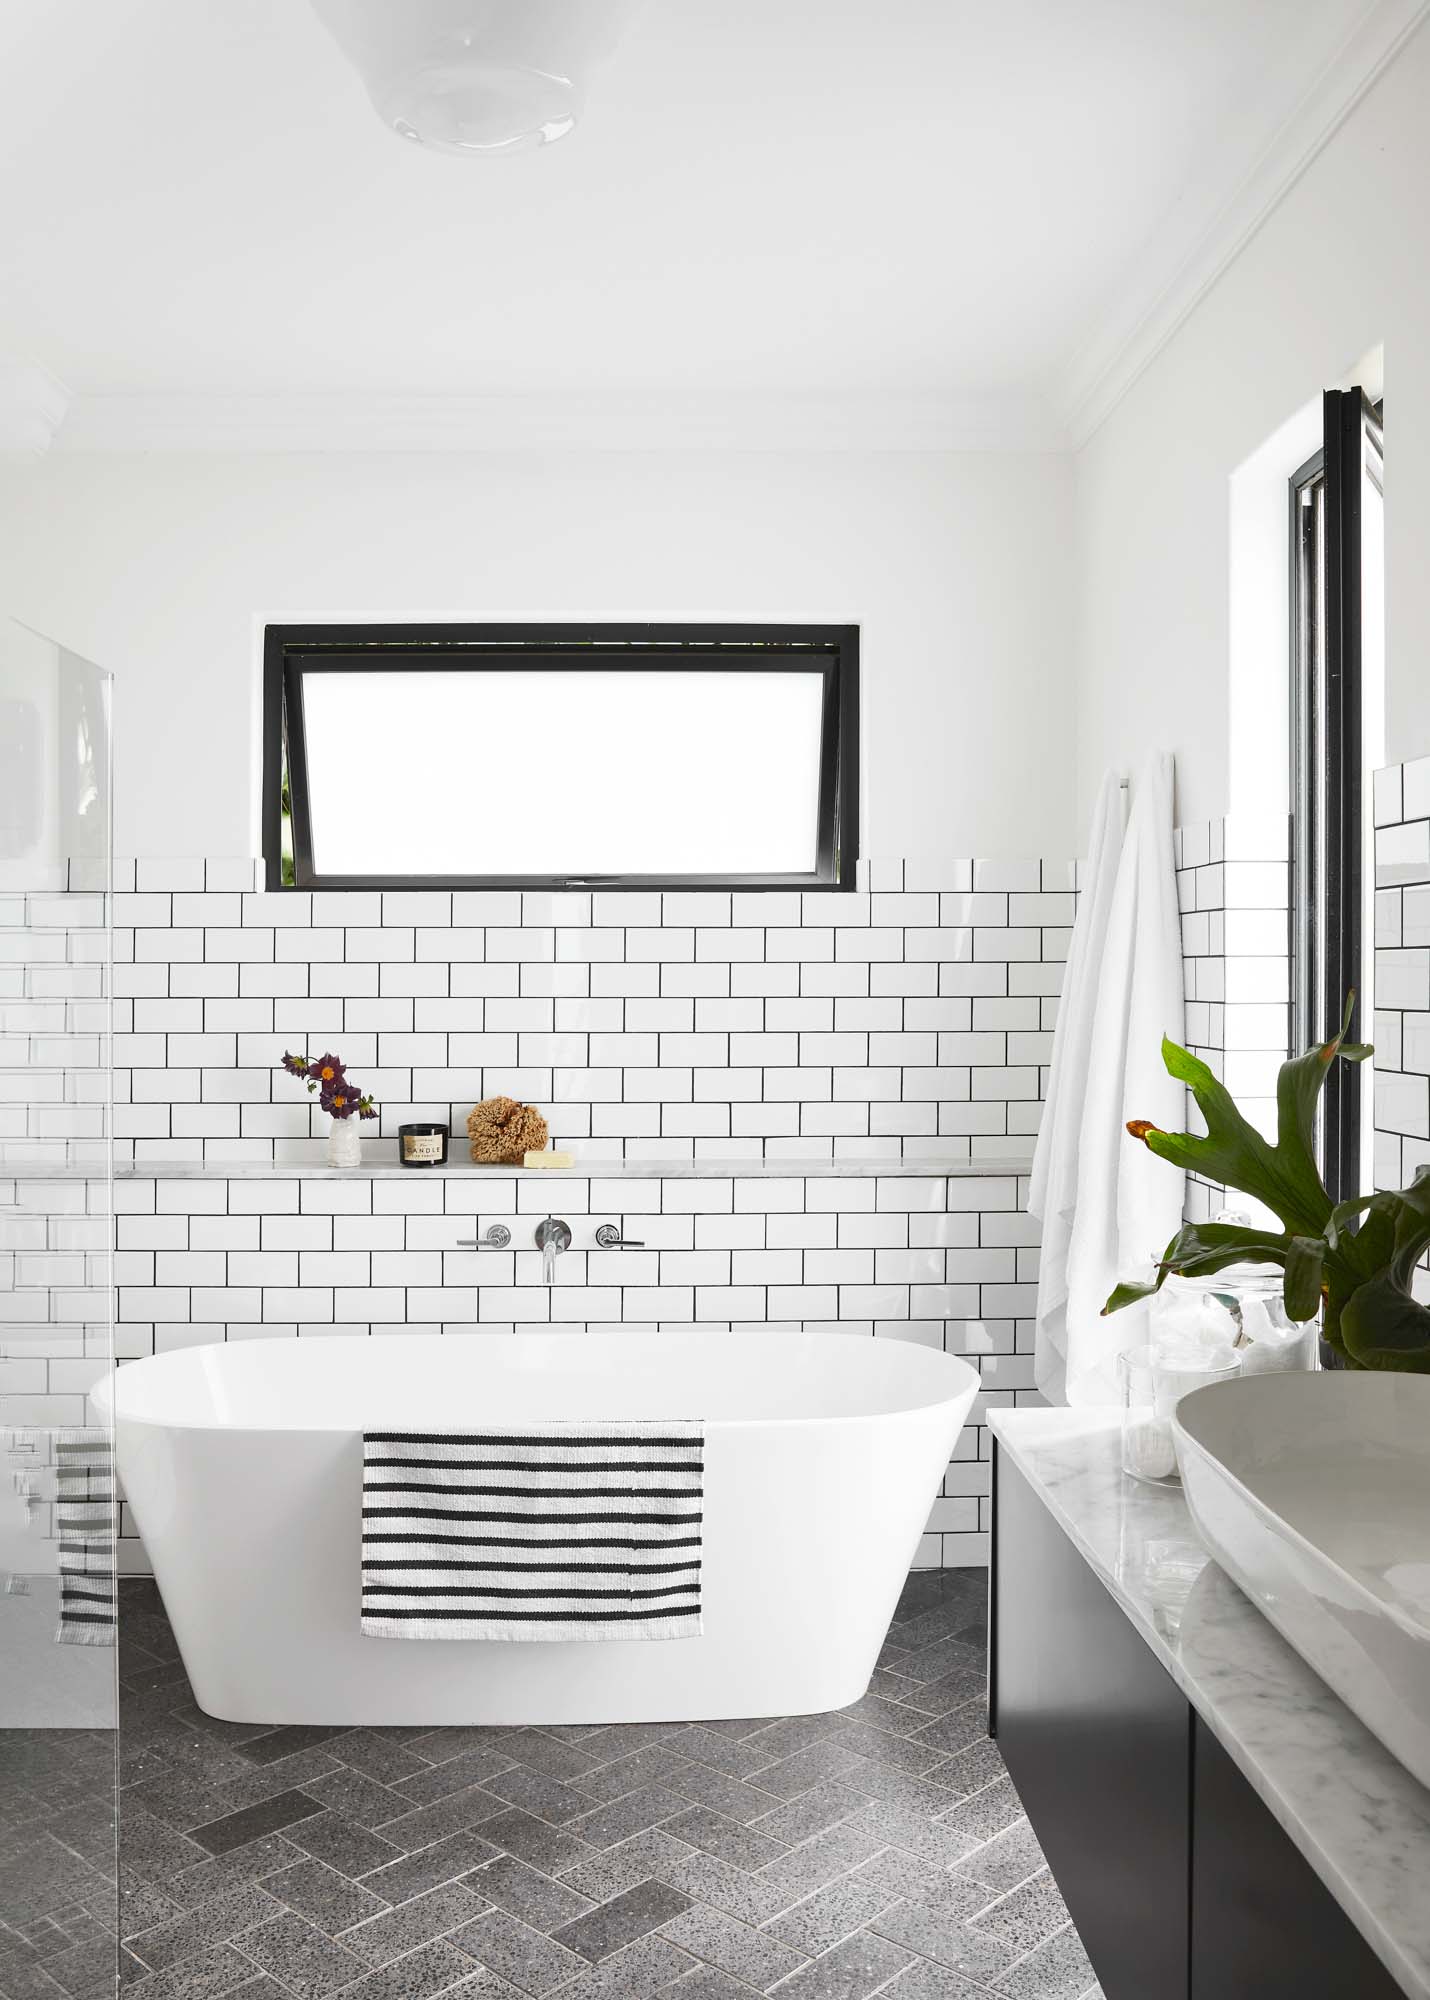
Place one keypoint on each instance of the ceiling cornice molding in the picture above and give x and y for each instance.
(437, 423)
(33, 405)
(1189, 260)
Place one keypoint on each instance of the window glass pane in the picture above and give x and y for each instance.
(556, 773)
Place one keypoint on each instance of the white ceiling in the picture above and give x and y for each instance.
(911, 204)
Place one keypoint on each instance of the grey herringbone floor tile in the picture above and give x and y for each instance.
(755, 1957)
(880, 1850)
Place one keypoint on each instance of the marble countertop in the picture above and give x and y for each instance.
(1360, 1819)
(316, 1168)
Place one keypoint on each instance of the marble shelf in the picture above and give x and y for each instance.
(723, 1170)
(1358, 1817)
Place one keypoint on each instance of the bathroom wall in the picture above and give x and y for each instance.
(1200, 855)
(907, 1024)
(1233, 887)
(1153, 499)
(913, 1018)
(956, 566)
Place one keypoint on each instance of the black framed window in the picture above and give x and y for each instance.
(559, 756)
(1336, 497)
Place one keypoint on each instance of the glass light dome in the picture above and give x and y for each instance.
(475, 77)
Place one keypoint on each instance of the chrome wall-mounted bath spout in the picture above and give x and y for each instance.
(552, 1237)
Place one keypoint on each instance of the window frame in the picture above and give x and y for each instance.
(1328, 880)
(292, 652)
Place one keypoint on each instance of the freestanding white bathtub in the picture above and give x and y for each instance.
(243, 1466)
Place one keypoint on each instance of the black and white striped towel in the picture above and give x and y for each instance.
(85, 1507)
(542, 1531)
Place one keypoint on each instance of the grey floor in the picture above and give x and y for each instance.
(877, 1850)
(57, 1890)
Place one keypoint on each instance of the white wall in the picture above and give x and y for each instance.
(1339, 267)
(164, 569)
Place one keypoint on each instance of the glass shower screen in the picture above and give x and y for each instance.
(58, 1706)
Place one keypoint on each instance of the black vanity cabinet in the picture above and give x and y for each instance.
(1181, 1883)
(1262, 1920)
(1095, 1735)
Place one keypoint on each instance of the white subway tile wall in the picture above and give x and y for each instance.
(55, 1223)
(947, 1260)
(1201, 876)
(1402, 978)
(1233, 886)
(910, 1019)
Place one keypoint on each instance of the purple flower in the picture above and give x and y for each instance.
(336, 1095)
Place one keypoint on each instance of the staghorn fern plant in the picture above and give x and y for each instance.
(1355, 1259)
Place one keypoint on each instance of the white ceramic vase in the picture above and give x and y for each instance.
(344, 1144)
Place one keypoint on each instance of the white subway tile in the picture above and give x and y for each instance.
(451, 946)
(797, 1085)
(798, 946)
(618, 978)
(645, 1086)
(824, 1119)
(654, 1015)
(863, 946)
(170, 873)
(701, 1197)
(886, 1302)
(697, 908)
(655, 1304)
(556, 907)
(334, 1198)
(518, 945)
(863, 1085)
(549, 1050)
(507, 1016)
(587, 946)
(648, 946)
(755, 1119)
(625, 908)
(1415, 783)
(239, 873)
(730, 1303)
(288, 909)
(755, 980)
(725, 946)
(603, 1016)
(826, 909)
(480, 907)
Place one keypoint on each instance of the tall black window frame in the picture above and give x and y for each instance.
(1328, 888)
(292, 653)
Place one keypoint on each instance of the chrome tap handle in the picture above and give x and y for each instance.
(610, 1238)
(496, 1238)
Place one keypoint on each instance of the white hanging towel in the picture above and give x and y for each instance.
(1055, 1162)
(1128, 1202)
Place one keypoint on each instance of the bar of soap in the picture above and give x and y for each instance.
(549, 1159)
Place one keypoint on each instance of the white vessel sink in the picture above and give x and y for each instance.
(1313, 1493)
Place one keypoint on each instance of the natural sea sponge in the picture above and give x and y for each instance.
(502, 1131)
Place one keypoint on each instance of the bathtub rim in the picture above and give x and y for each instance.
(107, 1397)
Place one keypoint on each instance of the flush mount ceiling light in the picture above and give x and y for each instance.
(475, 77)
